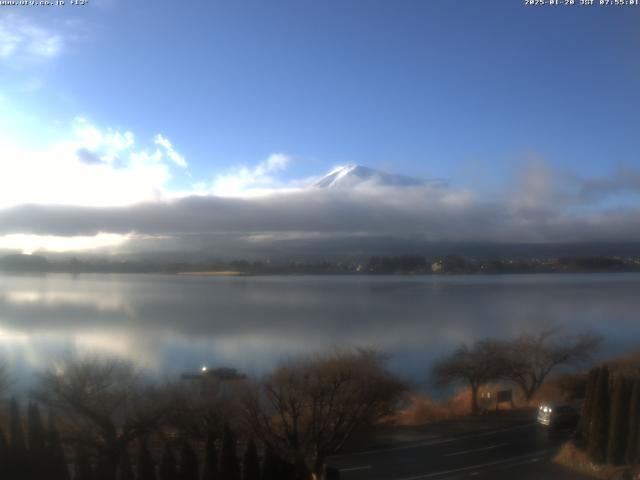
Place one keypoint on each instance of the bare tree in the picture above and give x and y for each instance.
(475, 366)
(105, 403)
(308, 409)
(532, 357)
(201, 406)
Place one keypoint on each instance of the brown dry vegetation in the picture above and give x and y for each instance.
(421, 409)
(629, 363)
(576, 459)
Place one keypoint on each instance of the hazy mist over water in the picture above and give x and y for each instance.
(170, 324)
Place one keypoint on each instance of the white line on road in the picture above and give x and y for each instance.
(490, 447)
(521, 459)
(429, 443)
(353, 469)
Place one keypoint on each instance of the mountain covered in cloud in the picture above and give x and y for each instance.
(350, 176)
(353, 210)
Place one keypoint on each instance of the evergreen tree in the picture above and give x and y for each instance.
(103, 467)
(35, 431)
(229, 468)
(287, 470)
(300, 470)
(210, 468)
(17, 463)
(600, 418)
(37, 444)
(251, 463)
(330, 473)
(270, 464)
(617, 444)
(188, 462)
(585, 418)
(168, 470)
(146, 466)
(56, 461)
(633, 441)
(125, 470)
(4, 456)
(82, 465)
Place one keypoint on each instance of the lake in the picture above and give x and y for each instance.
(173, 324)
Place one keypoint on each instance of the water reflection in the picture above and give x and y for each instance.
(172, 324)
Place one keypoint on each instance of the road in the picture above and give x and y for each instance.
(522, 451)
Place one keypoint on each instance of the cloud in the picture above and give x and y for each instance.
(624, 180)
(100, 188)
(90, 166)
(314, 216)
(252, 181)
(54, 243)
(171, 153)
(22, 42)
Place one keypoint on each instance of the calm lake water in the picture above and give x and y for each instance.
(175, 324)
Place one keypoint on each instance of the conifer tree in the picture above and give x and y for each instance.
(229, 468)
(188, 463)
(17, 463)
(168, 470)
(82, 465)
(599, 430)
(300, 470)
(633, 441)
(146, 466)
(210, 467)
(330, 473)
(251, 463)
(37, 444)
(4, 456)
(585, 418)
(287, 470)
(125, 470)
(618, 422)
(56, 461)
(270, 465)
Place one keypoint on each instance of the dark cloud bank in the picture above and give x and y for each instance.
(363, 220)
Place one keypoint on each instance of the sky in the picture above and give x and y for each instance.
(125, 122)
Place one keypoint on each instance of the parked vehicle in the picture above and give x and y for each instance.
(558, 415)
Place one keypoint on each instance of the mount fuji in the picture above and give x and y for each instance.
(349, 176)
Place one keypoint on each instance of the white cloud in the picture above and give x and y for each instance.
(171, 153)
(92, 166)
(22, 42)
(254, 181)
(29, 244)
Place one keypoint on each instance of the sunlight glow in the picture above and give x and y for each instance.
(28, 243)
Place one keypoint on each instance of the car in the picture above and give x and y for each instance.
(558, 415)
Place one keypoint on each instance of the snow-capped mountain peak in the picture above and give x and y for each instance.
(348, 176)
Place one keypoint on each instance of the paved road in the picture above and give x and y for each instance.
(521, 451)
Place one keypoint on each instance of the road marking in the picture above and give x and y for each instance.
(491, 447)
(429, 443)
(525, 459)
(353, 469)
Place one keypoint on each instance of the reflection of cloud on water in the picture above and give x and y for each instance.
(102, 302)
(36, 351)
(172, 324)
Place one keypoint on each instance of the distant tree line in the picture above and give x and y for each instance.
(398, 264)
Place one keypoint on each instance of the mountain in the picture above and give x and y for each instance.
(349, 176)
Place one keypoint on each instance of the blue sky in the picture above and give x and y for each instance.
(467, 91)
